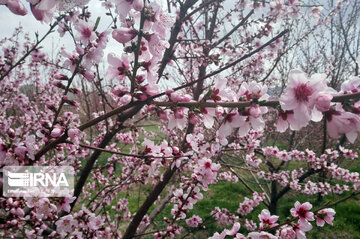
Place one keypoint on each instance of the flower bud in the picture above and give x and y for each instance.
(16, 7)
(56, 132)
(124, 34)
(322, 101)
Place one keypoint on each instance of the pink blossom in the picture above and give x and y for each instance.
(85, 32)
(322, 101)
(162, 20)
(194, 221)
(316, 12)
(287, 233)
(123, 7)
(287, 119)
(233, 231)
(157, 45)
(64, 204)
(126, 99)
(193, 118)
(232, 120)
(254, 118)
(206, 171)
(20, 151)
(301, 93)
(351, 85)
(208, 115)
(223, 216)
(267, 220)
(261, 235)
(221, 92)
(56, 132)
(163, 116)
(341, 122)
(177, 97)
(253, 90)
(218, 236)
(16, 7)
(95, 222)
(118, 68)
(302, 211)
(65, 224)
(325, 215)
(178, 119)
(72, 133)
(150, 89)
(301, 228)
(41, 15)
(46, 5)
(124, 34)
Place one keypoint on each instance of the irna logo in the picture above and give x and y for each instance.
(37, 179)
(44, 181)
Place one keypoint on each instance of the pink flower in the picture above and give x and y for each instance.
(316, 12)
(300, 229)
(341, 122)
(194, 221)
(85, 32)
(118, 68)
(232, 120)
(261, 235)
(124, 6)
(193, 118)
(72, 133)
(157, 45)
(41, 15)
(218, 236)
(20, 151)
(253, 116)
(162, 20)
(287, 233)
(163, 116)
(124, 34)
(125, 99)
(351, 85)
(150, 89)
(301, 93)
(64, 204)
(322, 101)
(267, 220)
(16, 7)
(56, 132)
(221, 91)
(95, 222)
(233, 231)
(206, 171)
(208, 115)
(46, 5)
(302, 211)
(287, 119)
(253, 90)
(178, 119)
(65, 224)
(325, 215)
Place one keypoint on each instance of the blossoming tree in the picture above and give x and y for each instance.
(205, 72)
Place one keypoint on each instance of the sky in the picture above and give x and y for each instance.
(52, 44)
(9, 21)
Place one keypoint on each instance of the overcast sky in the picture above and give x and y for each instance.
(9, 21)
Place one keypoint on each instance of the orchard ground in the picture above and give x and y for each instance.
(229, 195)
